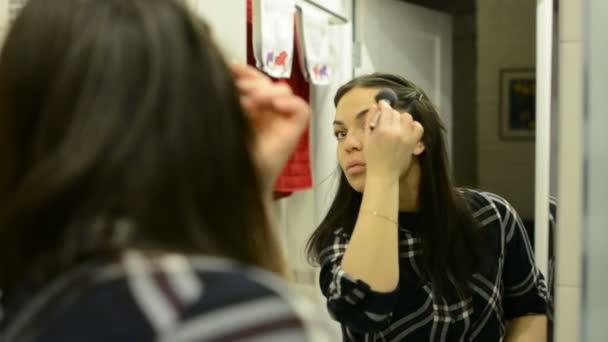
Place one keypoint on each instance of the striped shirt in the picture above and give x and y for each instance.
(170, 298)
(513, 288)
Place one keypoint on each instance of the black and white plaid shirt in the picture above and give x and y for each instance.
(514, 288)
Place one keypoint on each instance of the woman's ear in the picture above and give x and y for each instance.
(419, 133)
(419, 148)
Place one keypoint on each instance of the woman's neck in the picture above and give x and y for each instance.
(409, 188)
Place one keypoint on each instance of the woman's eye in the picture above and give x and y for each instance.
(340, 135)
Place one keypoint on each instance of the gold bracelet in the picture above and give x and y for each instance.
(375, 213)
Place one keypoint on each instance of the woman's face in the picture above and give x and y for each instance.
(349, 129)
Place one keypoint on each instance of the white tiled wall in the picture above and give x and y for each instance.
(570, 150)
(595, 237)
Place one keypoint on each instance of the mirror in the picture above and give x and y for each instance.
(481, 71)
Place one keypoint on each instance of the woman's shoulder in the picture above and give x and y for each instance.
(480, 199)
(175, 298)
(250, 303)
(487, 206)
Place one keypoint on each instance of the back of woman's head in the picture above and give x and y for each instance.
(120, 127)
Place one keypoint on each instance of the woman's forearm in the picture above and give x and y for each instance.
(372, 254)
(531, 328)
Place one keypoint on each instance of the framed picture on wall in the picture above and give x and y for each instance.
(517, 104)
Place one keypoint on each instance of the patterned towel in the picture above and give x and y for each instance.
(273, 32)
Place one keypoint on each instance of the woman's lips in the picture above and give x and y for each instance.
(355, 169)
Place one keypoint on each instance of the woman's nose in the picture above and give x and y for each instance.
(353, 142)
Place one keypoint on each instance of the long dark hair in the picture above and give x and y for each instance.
(452, 246)
(121, 128)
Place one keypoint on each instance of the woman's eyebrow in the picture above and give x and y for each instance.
(358, 116)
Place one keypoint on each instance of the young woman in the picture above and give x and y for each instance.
(405, 255)
(135, 173)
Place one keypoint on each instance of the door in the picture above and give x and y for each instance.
(409, 40)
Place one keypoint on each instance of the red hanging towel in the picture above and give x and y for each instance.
(296, 175)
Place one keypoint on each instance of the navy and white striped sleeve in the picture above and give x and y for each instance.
(524, 285)
(173, 298)
(351, 301)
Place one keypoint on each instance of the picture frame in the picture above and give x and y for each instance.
(517, 119)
